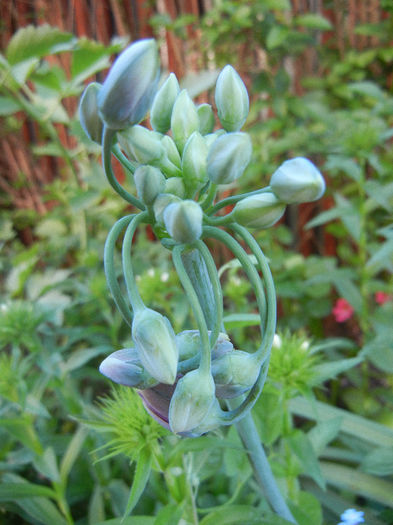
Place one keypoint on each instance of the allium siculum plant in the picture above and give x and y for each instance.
(194, 381)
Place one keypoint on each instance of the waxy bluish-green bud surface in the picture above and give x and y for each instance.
(183, 221)
(149, 182)
(297, 180)
(191, 401)
(234, 373)
(175, 186)
(189, 344)
(88, 113)
(125, 368)
(194, 162)
(171, 150)
(161, 110)
(141, 144)
(184, 119)
(206, 118)
(162, 201)
(128, 90)
(155, 341)
(231, 99)
(259, 211)
(228, 157)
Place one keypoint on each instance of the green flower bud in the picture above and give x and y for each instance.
(162, 201)
(175, 186)
(149, 182)
(88, 113)
(211, 137)
(171, 150)
(161, 111)
(211, 421)
(125, 368)
(259, 211)
(184, 119)
(206, 118)
(231, 99)
(194, 162)
(234, 373)
(191, 401)
(128, 90)
(141, 144)
(189, 344)
(228, 157)
(155, 341)
(183, 221)
(297, 180)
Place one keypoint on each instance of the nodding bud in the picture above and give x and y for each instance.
(154, 338)
(184, 119)
(231, 99)
(142, 144)
(259, 211)
(297, 180)
(228, 157)
(234, 373)
(206, 118)
(191, 401)
(175, 186)
(125, 368)
(88, 113)
(183, 221)
(194, 162)
(149, 182)
(162, 201)
(161, 110)
(128, 90)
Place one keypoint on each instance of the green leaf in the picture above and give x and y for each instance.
(47, 465)
(367, 88)
(134, 520)
(141, 477)
(323, 433)
(37, 42)
(276, 36)
(378, 462)
(20, 72)
(380, 352)
(96, 510)
(72, 452)
(81, 357)
(169, 515)
(241, 320)
(302, 448)
(325, 371)
(349, 214)
(307, 509)
(269, 417)
(235, 514)
(8, 106)
(14, 491)
(313, 21)
(22, 429)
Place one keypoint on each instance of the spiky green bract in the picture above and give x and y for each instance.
(259, 211)
(206, 118)
(234, 373)
(161, 110)
(231, 99)
(128, 90)
(184, 119)
(88, 112)
(183, 221)
(228, 157)
(149, 182)
(191, 401)
(194, 162)
(154, 338)
(297, 180)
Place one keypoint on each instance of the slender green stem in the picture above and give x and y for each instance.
(107, 140)
(211, 195)
(222, 220)
(132, 289)
(234, 199)
(110, 268)
(130, 166)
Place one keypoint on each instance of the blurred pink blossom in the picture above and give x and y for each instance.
(342, 310)
(382, 297)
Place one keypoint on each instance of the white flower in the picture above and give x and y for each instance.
(277, 342)
(352, 517)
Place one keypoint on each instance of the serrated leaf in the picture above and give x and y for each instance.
(32, 41)
(313, 21)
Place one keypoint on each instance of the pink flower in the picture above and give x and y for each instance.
(342, 310)
(382, 297)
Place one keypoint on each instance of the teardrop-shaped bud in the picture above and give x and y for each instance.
(125, 368)
(183, 221)
(155, 341)
(206, 118)
(194, 162)
(128, 90)
(228, 157)
(235, 373)
(231, 99)
(297, 180)
(88, 113)
(175, 186)
(162, 201)
(161, 110)
(184, 119)
(149, 182)
(259, 211)
(171, 150)
(141, 144)
(191, 401)
(189, 344)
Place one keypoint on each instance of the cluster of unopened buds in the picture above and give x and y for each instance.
(185, 380)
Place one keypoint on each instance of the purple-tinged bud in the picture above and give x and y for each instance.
(259, 211)
(228, 157)
(161, 110)
(125, 368)
(183, 221)
(184, 119)
(206, 119)
(149, 182)
(231, 99)
(128, 90)
(88, 113)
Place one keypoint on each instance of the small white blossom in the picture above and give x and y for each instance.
(352, 517)
(277, 341)
(151, 272)
(164, 277)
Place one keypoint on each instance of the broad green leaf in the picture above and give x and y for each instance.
(96, 510)
(379, 351)
(22, 429)
(241, 320)
(307, 509)
(313, 21)
(236, 514)
(269, 417)
(72, 452)
(382, 258)
(276, 36)
(81, 357)
(141, 477)
(37, 42)
(323, 433)
(169, 515)
(323, 218)
(325, 371)
(14, 491)
(370, 89)
(8, 106)
(378, 462)
(21, 71)
(46, 464)
(302, 448)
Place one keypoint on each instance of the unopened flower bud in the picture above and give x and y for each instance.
(128, 90)
(228, 157)
(297, 180)
(206, 118)
(88, 113)
(191, 401)
(194, 162)
(211, 421)
(125, 368)
(189, 344)
(171, 150)
(161, 110)
(231, 99)
(183, 221)
(175, 186)
(155, 341)
(211, 137)
(259, 211)
(234, 373)
(162, 201)
(149, 182)
(184, 119)
(142, 144)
